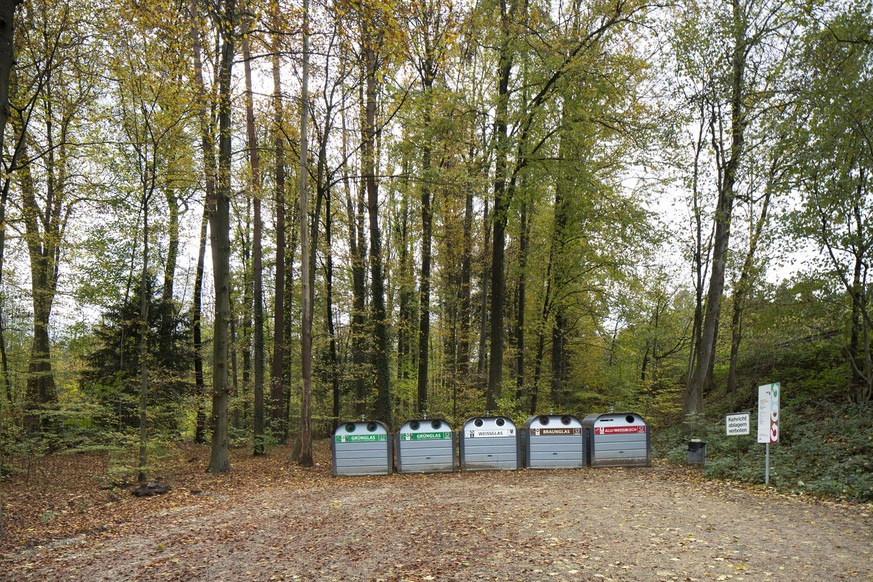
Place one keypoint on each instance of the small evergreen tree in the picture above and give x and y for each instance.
(111, 376)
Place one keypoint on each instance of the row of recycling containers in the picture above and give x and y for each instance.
(492, 443)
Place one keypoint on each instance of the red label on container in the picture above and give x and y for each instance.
(619, 429)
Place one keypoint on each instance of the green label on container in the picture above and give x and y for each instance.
(425, 436)
(361, 438)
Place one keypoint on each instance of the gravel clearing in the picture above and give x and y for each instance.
(658, 523)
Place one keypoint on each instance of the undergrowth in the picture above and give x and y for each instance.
(824, 449)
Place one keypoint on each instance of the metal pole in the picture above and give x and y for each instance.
(767, 465)
(737, 441)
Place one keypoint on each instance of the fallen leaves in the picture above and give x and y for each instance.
(271, 520)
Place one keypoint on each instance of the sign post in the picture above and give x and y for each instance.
(768, 421)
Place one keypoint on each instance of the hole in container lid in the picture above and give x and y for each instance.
(350, 427)
(629, 418)
(565, 419)
(414, 425)
(436, 424)
(500, 422)
(478, 422)
(371, 426)
(544, 420)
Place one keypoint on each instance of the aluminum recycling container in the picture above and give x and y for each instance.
(362, 448)
(617, 440)
(489, 443)
(554, 442)
(426, 446)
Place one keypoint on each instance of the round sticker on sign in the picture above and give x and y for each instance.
(774, 413)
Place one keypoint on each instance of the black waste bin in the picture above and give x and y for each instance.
(696, 452)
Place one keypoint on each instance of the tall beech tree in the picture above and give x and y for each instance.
(355, 208)
(278, 387)
(153, 114)
(742, 76)
(205, 106)
(304, 457)
(514, 150)
(258, 410)
(833, 169)
(225, 19)
(431, 25)
(58, 50)
(7, 59)
(373, 29)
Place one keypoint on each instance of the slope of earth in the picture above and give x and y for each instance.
(659, 523)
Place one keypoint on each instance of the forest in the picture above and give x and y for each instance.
(242, 222)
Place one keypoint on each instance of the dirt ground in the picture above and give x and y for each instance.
(271, 521)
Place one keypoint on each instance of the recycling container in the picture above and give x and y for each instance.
(489, 443)
(554, 442)
(617, 439)
(361, 448)
(426, 446)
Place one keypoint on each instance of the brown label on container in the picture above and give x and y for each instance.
(555, 431)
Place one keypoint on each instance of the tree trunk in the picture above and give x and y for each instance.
(465, 290)
(405, 357)
(241, 318)
(428, 73)
(220, 237)
(742, 290)
(196, 317)
(522, 302)
(7, 58)
(424, 283)
(692, 406)
(383, 410)
(543, 322)
(331, 329)
(501, 213)
(556, 287)
(4, 359)
(165, 339)
(305, 456)
(207, 145)
(357, 252)
(42, 249)
(859, 349)
(277, 376)
(698, 258)
(144, 344)
(483, 302)
(293, 223)
(257, 257)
